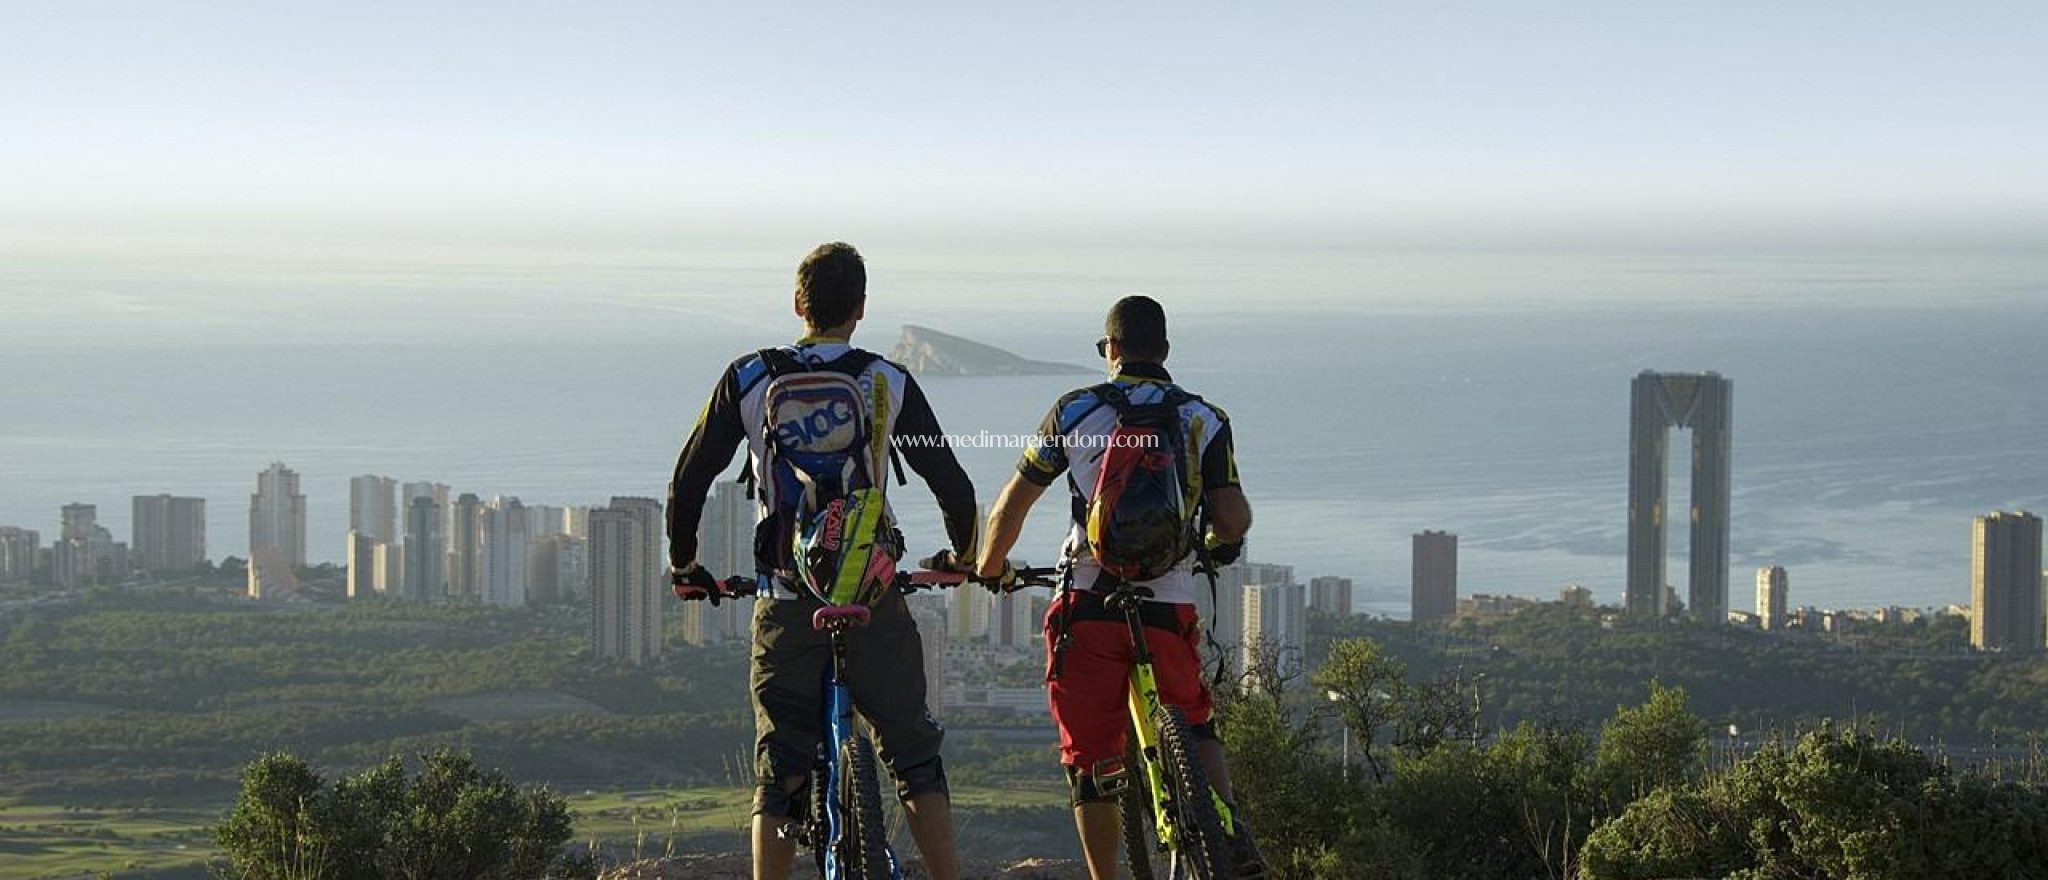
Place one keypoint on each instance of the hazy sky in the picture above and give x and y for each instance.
(1626, 123)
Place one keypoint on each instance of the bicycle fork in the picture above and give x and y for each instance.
(1144, 701)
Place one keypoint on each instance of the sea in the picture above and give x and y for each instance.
(1881, 400)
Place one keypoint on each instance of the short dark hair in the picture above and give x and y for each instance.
(1137, 324)
(831, 284)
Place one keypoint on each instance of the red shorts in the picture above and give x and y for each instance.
(1091, 697)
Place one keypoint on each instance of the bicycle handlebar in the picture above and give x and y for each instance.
(906, 582)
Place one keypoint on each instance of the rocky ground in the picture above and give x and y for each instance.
(734, 866)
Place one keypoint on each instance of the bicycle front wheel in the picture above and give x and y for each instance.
(1202, 851)
(863, 844)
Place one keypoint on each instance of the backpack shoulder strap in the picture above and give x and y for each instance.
(780, 363)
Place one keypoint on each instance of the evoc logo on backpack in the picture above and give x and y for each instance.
(819, 412)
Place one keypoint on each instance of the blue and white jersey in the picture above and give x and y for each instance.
(1074, 436)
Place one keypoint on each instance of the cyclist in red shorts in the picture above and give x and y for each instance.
(1088, 693)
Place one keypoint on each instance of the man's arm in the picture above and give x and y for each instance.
(706, 454)
(1005, 523)
(1230, 515)
(932, 458)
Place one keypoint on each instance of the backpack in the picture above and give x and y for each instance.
(827, 529)
(1141, 520)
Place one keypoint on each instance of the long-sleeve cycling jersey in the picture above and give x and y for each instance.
(734, 414)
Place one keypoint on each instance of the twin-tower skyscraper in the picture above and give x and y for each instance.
(1700, 402)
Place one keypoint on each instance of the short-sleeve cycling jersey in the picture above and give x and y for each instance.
(1074, 436)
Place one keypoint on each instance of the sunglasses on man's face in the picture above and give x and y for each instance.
(1102, 346)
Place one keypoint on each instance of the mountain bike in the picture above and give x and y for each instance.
(1171, 811)
(845, 830)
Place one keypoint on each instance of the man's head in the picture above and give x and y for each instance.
(831, 288)
(1135, 331)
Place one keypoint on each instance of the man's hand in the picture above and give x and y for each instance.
(1221, 553)
(692, 582)
(997, 577)
(947, 560)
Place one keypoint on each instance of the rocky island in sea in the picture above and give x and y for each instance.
(927, 352)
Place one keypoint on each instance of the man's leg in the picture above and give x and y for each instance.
(931, 824)
(1101, 826)
(774, 855)
(886, 674)
(787, 675)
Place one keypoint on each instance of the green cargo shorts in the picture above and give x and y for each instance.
(885, 673)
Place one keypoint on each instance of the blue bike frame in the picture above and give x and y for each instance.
(839, 731)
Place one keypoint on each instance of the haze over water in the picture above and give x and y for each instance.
(1881, 400)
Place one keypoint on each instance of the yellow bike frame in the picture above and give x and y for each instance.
(1144, 701)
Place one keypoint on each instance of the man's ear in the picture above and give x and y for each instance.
(860, 309)
(796, 304)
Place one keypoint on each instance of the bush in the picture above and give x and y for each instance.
(453, 821)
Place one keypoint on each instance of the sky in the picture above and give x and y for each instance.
(1651, 125)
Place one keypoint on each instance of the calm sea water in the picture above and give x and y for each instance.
(1879, 405)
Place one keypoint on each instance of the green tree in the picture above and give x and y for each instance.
(1659, 743)
(454, 821)
(1365, 684)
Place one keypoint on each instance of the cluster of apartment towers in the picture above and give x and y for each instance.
(414, 541)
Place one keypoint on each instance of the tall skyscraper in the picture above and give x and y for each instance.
(373, 507)
(2005, 583)
(362, 564)
(277, 517)
(463, 582)
(1330, 595)
(424, 551)
(1223, 613)
(628, 578)
(502, 541)
(1773, 588)
(85, 552)
(1433, 591)
(170, 532)
(1703, 402)
(967, 609)
(557, 568)
(931, 630)
(388, 558)
(19, 548)
(1276, 619)
(725, 533)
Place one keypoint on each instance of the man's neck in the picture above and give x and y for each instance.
(814, 336)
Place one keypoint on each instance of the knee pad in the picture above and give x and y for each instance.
(922, 779)
(1103, 782)
(772, 799)
(1203, 731)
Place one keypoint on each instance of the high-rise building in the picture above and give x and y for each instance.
(1276, 619)
(362, 565)
(373, 507)
(576, 521)
(1010, 623)
(1330, 595)
(85, 552)
(388, 558)
(502, 539)
(277, 517)
(1772, 591)
(1433, 592)
(628, 579)
(462, 537)
(271, 575)
(968, 613)
(1222, 612)
(725, 533)
(557, 568)
(424, 551)
(2006, 583)
(19, 548)
(170, 532)
(931, 630)
(1703, 402)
